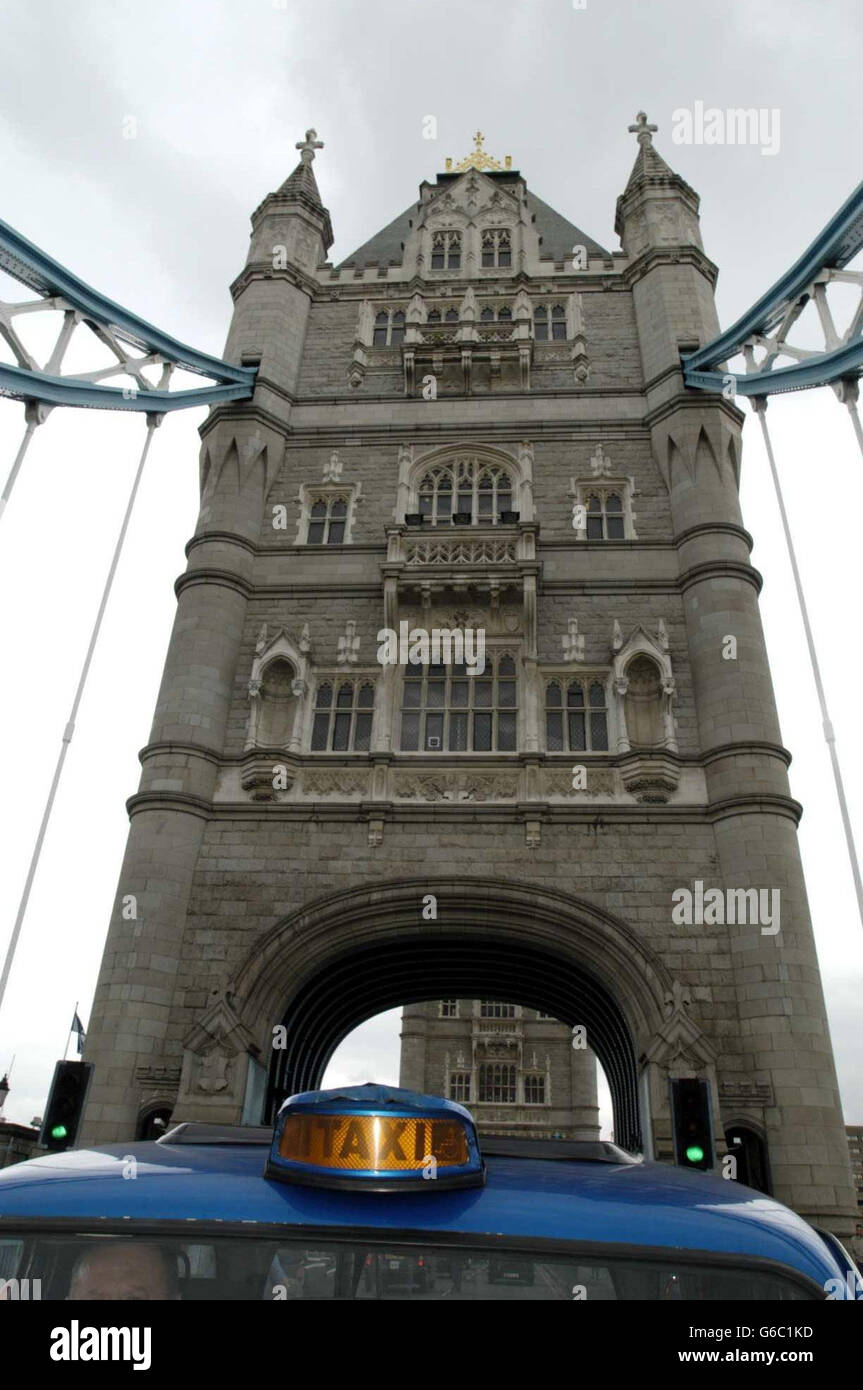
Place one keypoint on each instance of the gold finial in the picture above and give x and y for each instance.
(478, 159)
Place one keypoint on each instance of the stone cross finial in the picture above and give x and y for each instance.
(308, 146)
(600, 464)
(643, 131)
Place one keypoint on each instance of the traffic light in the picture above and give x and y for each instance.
(693, 1133)
(65, 1105)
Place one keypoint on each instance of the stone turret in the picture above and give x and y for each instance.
(783, 1040)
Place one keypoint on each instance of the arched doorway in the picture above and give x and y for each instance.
(749, 1150)
(365, 982)
(347, 957)
(154, 1122)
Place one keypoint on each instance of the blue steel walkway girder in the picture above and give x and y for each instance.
(776, 311)
(116, 328)
(23, 385)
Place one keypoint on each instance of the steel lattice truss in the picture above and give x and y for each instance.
(761, 335)
(138, 347)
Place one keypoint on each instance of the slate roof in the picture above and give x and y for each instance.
(558, 235)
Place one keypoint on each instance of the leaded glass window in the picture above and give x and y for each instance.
(496, 250)
(493, 1008)
(446, 251)
(497, 1083)
(446, 711)
(576, 720)
(328, 518)
(469, 487)
(459, 1086)
(343, 717)
(605, 516)
(534, 1090)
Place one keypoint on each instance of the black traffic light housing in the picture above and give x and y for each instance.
(692, 1121)
(65, 1105)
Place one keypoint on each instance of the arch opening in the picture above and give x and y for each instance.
(363, 982)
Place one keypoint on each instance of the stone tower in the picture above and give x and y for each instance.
(474, 425)
(516, 1069)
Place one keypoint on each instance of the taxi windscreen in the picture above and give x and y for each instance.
(144, 1269)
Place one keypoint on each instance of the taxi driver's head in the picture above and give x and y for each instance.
(126, 1271)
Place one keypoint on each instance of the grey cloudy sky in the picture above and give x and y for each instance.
(219, 92)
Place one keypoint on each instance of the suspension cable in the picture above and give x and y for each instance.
(760, 406)
(33, 419)
(152, 422)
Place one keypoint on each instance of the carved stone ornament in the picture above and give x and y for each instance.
(214, 1058)
(651, 777)
(600, 782)
(333, 469)
(213, 1071)
(347, 785)
(349, 645)
(265, 779)
(745, 1092)
(157, 1076)
(457, 787)
(573, 643)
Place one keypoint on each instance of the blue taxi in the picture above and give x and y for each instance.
(373, 1192)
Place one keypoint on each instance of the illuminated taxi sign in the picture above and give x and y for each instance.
(377, 1137)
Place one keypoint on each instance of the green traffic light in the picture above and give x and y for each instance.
(694, 1154)
(59, 1132)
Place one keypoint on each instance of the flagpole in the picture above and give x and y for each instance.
(71, 1031)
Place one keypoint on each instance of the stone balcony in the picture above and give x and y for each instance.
(426, 563)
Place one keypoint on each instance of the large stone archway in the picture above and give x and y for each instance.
(341, 960)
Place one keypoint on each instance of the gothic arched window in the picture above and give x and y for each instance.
(327, 521)
(558, 322)
(497, 1083)
(605, 517)
(534, 1089)
(343, 717)
(451, 316)
(459, 1086)
(579, 726)
(446, 251)
(493, 1008)
(496, 250)
(445, 710)
(540, 325)
(389, 329)
(434, 316)
(477, 490)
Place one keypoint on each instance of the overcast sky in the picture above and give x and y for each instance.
(218, 93)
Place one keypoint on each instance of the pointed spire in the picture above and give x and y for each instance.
(299, 188)
(302, 182)
(650, 184)
(649, 164)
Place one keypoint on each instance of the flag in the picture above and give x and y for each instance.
(78, 1027)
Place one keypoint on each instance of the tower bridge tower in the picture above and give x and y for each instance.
(475, 424)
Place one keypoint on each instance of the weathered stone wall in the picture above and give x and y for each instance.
(216, 862)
